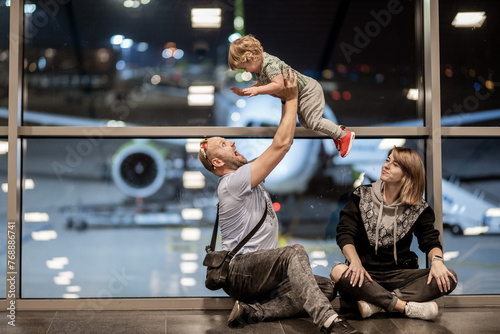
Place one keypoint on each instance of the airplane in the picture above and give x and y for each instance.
(293, 175)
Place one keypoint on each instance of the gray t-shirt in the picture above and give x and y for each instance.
(273, 66)
(241, 208)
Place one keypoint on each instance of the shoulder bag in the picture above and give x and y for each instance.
(217, 262)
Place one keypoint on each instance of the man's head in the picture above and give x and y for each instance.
(220, 156)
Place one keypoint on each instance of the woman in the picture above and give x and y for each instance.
(375, 232)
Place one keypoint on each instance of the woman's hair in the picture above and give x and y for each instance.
(413, 186)
(241, 49)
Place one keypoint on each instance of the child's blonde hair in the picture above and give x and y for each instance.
(241, 49)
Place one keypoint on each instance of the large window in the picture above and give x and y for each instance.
(131, 218)
(471, 205)
(470, 50)
(128, 212)
(98, 63)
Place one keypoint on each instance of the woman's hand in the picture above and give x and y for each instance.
(441, 274)
(358, 274)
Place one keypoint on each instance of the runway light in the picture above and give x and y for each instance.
(120, 65)
(59, 280)
(412, 94)
(44, 235)
(238, 23)
(193, 179)
(450, 255)
(74, 288)
(235, 116)
(346, 95)
(42, 62)
(206, 17)
(469, 19)
(327, 74)
(29, 8)
(190, 234)
(192, 145)
(201, 95)
(323, 263)
(201, 90)
(233, 37)
(4, 147)
(475, 230)
(241, 103)
(116, 39)
(188, 267)
(336, 95)
(115, 124)
(142, 47)
(178, 54)
(379, 78)
(126, 43)
(57, 262)
(188, 281)
(28, 184)
(388, 143)
(155, 79)
(192, 214)
(36, 217)
(189, 256)
(246, 76)
(318, 255)
(493, 212)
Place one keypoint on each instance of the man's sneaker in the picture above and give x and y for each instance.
(424, 311)
(345, 143)
(367, 310)
(340, 326)
(240, 315)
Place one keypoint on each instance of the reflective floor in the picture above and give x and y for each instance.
(450, 320)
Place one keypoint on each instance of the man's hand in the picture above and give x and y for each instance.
(290, 91)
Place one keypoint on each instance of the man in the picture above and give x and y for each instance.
(267, 282)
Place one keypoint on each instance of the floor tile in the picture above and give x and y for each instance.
(112, 322)
(27, 322)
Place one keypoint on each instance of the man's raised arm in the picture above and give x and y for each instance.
(283, 138)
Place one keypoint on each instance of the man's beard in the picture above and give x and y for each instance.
(235, 163)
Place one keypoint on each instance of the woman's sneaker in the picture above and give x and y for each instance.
(367, 310)
(424, 311)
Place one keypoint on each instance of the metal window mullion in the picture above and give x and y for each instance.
(199, 132)
(433, 110)
(14, 149)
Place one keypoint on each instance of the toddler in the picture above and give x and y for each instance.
(246, 53)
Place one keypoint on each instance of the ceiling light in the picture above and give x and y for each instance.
(206, 17)
(469, 20)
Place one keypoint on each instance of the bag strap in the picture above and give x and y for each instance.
(211, 247)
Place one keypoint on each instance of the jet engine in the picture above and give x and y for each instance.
(138, 169)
